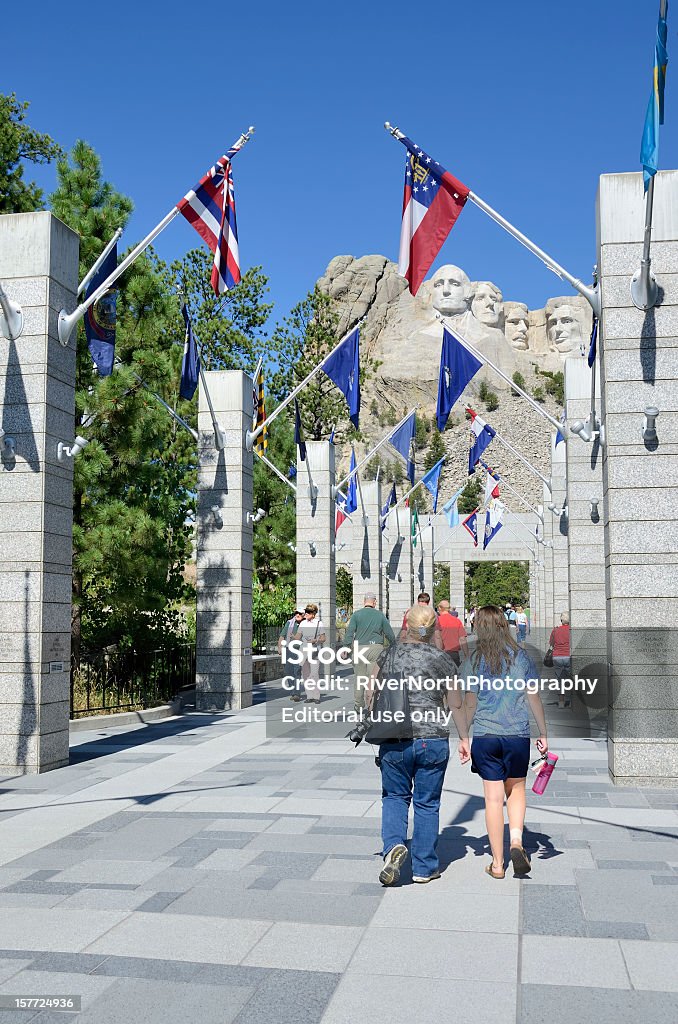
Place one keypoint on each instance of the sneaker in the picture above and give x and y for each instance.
(422, 881)
(296, 697)
(393, 861)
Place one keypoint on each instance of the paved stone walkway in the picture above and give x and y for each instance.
(196, 870)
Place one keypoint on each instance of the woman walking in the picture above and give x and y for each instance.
(312, 632)
(413, 770)
(559, 642)
(499, 679)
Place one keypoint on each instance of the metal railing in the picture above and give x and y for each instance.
(265, 638)
(107, 681)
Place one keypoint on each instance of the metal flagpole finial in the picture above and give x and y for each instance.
(395, 132)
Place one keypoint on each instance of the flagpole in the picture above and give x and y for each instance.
(483, 359)
(219, 439)
(526, 462)
(175, 415)
(644, 288)
(98, 262)
(522, 542)
(520, 522)
(274, 469)
(504, 482)
(252, 435)
(376, 448)
(592, 295)
(67, 321)
(405, 497)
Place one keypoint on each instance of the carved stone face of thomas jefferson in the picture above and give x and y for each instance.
(486, 305)
(451, 290)
(516, 326)
(564, 329)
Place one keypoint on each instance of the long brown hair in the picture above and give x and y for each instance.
(494, 642)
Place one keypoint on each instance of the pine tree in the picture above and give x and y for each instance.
(469, 499)
(436, 450)
(18, 144)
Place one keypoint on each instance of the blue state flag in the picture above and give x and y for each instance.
(299, 432)
(457, 367)
(390, 502)
(593, 342)
(402, 440)
(343, 367)
(471, 524)
(190, 364)
(494, 520)
(451, 509)
(431, 481)
(649, 147)
(101, 316)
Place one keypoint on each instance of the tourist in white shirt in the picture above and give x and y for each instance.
(312, 632)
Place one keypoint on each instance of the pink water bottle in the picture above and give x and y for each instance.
(545, 773)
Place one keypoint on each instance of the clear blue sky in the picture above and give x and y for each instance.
(527, 103)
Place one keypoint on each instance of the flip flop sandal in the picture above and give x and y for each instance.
(491, 873)
(520, 860)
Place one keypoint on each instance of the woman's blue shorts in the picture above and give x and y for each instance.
(496, 758)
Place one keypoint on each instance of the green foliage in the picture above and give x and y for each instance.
(229, 328)
(18, 144)
(300, 342)
(271, 607)
(374, 408)
(471, 496)
(421, 433)
(441, 582)
(344, 588)
(388, 418)
(273, 557)
(497, 583)
(538, 395)
(490, 398)
(436, 450)
(519, 380)
(555, 384)
(135, 482)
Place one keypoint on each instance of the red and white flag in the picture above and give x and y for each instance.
(432, 202)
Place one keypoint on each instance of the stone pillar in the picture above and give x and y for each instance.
(39, 270)
(586, 549)
(367, 546)
(397, 547)
(639, 353)
(423, 561)
(316, 557)
(559, 528)
(224, 547)
(457, 578)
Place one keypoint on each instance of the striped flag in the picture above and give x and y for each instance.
(432, 201)
(210, 209)
(259, 403)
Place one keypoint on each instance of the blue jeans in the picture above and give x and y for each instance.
(522, 633)
(413, 768)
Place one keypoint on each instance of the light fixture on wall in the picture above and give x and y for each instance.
(650, 424)
(589, 429)
(312, 548)
(11, 317)
(65, 451)
(256, 517)
(595, 515)
(217, 518)
(292, 546)
(559, 512)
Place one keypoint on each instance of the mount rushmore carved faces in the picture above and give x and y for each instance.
(516, 325)
(451, 291)
(563, 329)
(486, 305)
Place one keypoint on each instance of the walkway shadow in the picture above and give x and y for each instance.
(153, 731)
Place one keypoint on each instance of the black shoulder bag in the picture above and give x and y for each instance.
(390, 715)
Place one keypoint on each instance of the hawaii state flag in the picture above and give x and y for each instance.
(210, 209)
(471, 524)
(432, 202)
(481, 435)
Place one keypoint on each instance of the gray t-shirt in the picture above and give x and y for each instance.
(426, 672)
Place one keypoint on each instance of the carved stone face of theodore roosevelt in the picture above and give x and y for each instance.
(451, 289)
(516, 326)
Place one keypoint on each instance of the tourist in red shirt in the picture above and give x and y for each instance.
(452, 632)
(559, 642)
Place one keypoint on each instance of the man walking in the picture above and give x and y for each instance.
(452, 632)
(371, 630)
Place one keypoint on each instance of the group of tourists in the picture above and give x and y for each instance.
(462, 686)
